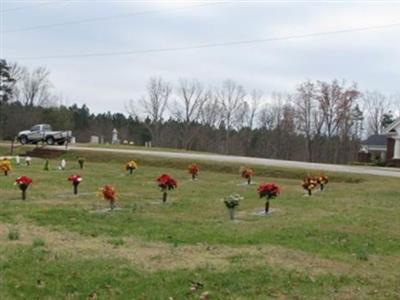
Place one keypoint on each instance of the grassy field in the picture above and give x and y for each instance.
(343, 243)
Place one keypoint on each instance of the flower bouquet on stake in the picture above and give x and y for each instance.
(5, 166)
(28, 161)
(23, 183)
(308, 184)
(269, 191)
(131, 166)
(322, 180)
(81, 162)
(246, 173)
(76, 180)
(193, 170)
(231, 202)
(108, 193)
(166, 183)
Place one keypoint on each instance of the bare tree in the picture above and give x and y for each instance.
(35, 88)
(375, 106)
(211, 112)
(191, 99)
(231, 100)
(305, 106)
(154, 106)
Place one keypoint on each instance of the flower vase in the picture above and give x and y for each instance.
(112, 204)
(232, 213)
(249, 180)
(81, 162)
(322, 187)
(23, 188)
(164, 197)
(5, 173)
(75, 184)
(267, 206)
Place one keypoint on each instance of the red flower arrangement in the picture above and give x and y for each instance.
(166, 183)
(23, 183)
(246, 173)
(108, 193)
(76, 180)
(193, 170)
(269, 191)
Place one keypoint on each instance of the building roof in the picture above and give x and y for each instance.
(393, 126)
(375, 140)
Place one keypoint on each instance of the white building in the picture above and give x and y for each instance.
(393, 143)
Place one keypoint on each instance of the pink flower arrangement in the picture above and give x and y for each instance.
(76, 180)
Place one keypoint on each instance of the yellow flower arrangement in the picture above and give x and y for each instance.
(5, 166)
(131, 166)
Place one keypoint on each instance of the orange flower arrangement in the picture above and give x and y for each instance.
(322, 181)
(309, 183)
(246, 173)
(193, 170)
(108, 193)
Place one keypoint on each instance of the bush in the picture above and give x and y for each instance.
(13, 234)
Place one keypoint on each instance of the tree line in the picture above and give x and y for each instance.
(322, 121)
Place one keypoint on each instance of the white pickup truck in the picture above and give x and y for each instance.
(43, 133)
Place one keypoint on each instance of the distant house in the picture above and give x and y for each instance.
(393, 144)
(374, 148)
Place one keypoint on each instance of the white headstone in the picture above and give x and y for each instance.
(94, 139)
(114, 138)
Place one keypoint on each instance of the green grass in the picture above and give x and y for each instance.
(71, 247)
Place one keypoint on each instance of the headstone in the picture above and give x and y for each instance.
(114, 138)
(94, 139)
(73, 140)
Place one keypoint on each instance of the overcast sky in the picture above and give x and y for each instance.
(370, 57)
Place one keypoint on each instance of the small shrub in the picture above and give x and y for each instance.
(38, 242)
(116, 242)
(13, 234)
(362, 254)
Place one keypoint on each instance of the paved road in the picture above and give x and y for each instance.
(379, 171)
(392, 172)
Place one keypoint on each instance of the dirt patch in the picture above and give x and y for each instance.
(155, 256)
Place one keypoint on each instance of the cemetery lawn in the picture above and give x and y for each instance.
(343, 243)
